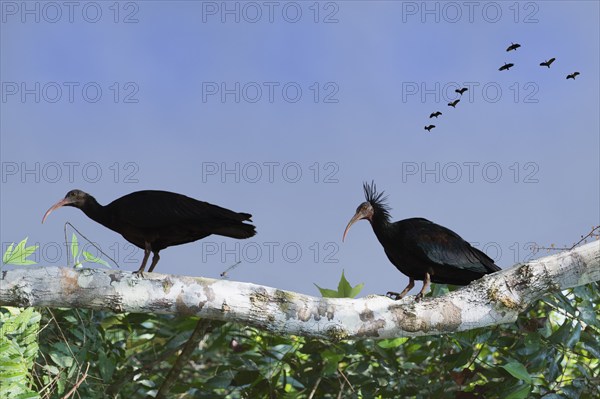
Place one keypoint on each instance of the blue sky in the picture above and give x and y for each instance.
(319, 97)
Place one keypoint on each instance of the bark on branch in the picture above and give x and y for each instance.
(495, 299)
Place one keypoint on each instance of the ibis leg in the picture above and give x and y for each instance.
(396, 296)
(426, 283)
(155, 260)
(147, 251)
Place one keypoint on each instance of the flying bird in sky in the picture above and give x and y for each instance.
(429, 127)
(548, 63)
(513, 46)
(573, 75)
(506, 67)
(461, 91)
(435, 114)
(453, 103)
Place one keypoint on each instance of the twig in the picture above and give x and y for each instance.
(314, 390)
(62, 333)
(88, 240)
(479, 351)
(565, 248)
(341, 390)
(344, 375)
(78, 383)
(224, 273)
(116, 386)
(590, 234)
(203, 328)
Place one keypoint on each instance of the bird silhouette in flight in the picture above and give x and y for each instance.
(548, 63)
(453, 103)
(513, 46)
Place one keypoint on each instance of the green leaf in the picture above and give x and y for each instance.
(18, 255)
(27, 395)
(345, 290)
(392, 343)
(356, 290)
(327, 293)
(245, 377)
(64, 361)
(521, 392)
(574, 338)
(344, 287)
(106, 366)
(439, 290)
(517, 370)
(74, 247)
(91, 258)
(6, 255)
(331, 360)
(561, 335)
(459, 358)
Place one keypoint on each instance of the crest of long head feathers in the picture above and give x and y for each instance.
(377, 200)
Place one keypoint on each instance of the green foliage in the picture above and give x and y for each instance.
(18, 350)
(345, 290)
(17, 255)
(18, 335)
(517, 370)
(552, 351)
(87, 257)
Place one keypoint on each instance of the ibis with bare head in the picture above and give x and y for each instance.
(155, 220)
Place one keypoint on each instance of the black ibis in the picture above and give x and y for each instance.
(573, 75)
(435, 114)
(461, 91)
(453, 103)
(421, 249)
(548, 63)
(506, 67)
(429, 127)
(513, 46)
(155, 220)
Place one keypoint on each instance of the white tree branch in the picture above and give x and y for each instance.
(495, 299)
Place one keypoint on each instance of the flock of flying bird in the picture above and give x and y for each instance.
(505, 67)
(155, 220)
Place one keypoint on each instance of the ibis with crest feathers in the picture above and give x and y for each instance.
(420, 249)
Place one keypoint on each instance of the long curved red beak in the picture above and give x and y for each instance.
(60, 203)
(358, 216)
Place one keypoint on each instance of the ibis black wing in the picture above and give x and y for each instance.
(446, 248)
(153, 209)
